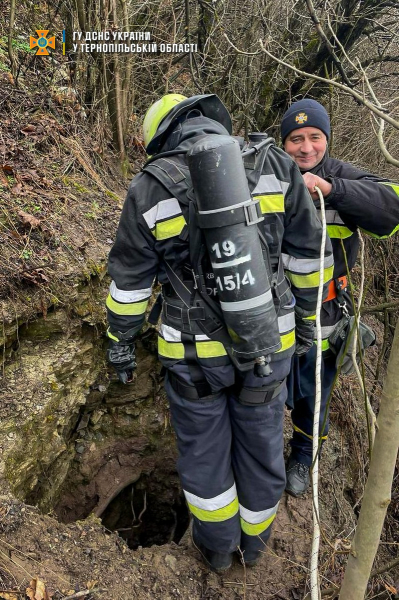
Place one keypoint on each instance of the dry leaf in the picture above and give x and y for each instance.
(28, 220)
(11, 78)
(29, 175)
(3, 179)
(28, 129)
(17, 189)
(8, 170)
(37, 590)
(30, 591)
(8, 596)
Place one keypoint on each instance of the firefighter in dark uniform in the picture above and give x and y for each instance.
(230, 448)
(354, 199)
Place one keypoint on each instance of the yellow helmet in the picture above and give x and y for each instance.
(161, 116)
(157, 112)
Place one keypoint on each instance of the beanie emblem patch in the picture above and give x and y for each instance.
(301, 118)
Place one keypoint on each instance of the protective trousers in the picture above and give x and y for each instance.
(230, 461)
(301, 384)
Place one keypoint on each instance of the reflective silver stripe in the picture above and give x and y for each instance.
(285, 186)
(232, 263)
(165, 209)
(268, 184)
(305, 265)
(212, 503)
(327, 330)
(232, 207)
(286, 322)
(170, 334)
(126, 296)
(255, 517)
(246, 304)
(332, 217)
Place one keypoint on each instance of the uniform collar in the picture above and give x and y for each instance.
(185, 134)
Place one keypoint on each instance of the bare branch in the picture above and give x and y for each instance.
(380, 134)
(341, 86)
(327, 43)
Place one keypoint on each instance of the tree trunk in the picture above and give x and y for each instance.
(377, 494)
(10, 37)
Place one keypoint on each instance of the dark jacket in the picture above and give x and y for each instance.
(150, 233)
(358, 200)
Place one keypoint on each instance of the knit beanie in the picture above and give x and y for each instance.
(305, 113)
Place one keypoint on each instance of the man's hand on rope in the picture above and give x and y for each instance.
(312, 181)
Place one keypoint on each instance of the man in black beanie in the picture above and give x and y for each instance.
(353, 199)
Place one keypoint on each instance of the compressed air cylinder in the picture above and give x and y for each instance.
(228, 217)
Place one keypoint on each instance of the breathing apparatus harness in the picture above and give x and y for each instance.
(222, 225)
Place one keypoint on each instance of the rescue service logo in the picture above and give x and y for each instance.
(301, 118)
(42, 42)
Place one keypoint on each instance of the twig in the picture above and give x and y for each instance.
(244, 583)
(84, 593)
(237, 583)
(380, 307)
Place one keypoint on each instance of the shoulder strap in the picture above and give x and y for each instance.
(175, 177)
(254, 162)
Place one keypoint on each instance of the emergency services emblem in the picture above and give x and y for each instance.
(301, 118)
(42, 42)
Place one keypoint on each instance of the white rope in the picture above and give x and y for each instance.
(314, 557)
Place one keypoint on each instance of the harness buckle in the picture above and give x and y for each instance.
(253, 214)
(340, 284)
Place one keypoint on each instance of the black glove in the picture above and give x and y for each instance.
(304, 331)
(122, 357)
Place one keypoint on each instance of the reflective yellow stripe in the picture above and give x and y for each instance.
(169, 228)
(339, 231)
(134, 308)
(210, 349)
(381, 237)
(204, 349)
(325, 344)
(287, 341)
(215, 516)
(271, 204)
(394, 186)
(311, 280)
(170, 349)
(258, 528)
(311, 318)
(112, 337)
(323, 437)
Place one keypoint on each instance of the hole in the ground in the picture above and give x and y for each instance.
(148, 512)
